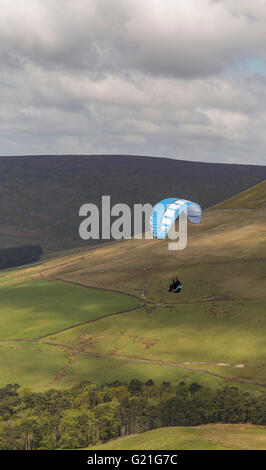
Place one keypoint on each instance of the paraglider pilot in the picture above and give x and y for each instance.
(176, 285)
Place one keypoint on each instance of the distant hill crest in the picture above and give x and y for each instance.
(40, 197)
(252, 198)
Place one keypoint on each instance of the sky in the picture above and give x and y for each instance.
(172, 78)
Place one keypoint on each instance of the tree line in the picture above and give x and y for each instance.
(87, 413)
(19, 255)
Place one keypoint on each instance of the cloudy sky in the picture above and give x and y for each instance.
(179, 78)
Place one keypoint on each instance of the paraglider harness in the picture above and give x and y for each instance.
(176, 286)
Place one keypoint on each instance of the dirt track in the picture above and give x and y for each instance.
(104, 289)
(91, 321)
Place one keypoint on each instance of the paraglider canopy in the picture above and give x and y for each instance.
(166, 212)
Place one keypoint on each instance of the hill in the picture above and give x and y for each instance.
(105, 313)
(252, 198)
(40, 196)
(208, 437)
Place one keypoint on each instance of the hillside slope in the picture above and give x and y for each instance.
(40, 196)
(212, 332)
(209, 437)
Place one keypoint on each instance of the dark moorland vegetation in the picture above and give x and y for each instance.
(87, 413)
(19, 255)
(40, 196)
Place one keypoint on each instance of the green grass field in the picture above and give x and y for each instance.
(41, 366)
(216, 325)
(36, 308)
(209, 437)
(101, 370)
(173, 334)
(31, 365)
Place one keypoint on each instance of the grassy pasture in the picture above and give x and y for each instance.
(216, 324)
(30, 365)
(35, 308)
(101, 370)
(41, 366)
(209, 437)
(224, 338)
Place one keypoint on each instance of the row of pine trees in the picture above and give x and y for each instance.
(19, 255)
(87, 413)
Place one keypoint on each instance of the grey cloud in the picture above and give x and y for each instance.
(179, 39)
(121, 76)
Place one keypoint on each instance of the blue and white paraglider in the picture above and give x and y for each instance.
(166, 212)
(164, 215)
